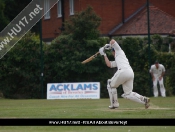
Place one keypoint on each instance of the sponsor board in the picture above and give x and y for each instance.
(83, 90)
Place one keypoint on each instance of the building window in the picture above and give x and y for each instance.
(46, 9)
(71, 6)
(59, 9)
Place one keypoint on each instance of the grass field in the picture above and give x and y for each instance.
(160, 108)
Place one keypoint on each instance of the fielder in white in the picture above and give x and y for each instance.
(157, 72)
(124, 76)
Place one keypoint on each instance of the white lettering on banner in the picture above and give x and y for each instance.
(85, 90)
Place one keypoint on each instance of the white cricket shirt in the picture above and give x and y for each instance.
(120, 58)
(157, 72)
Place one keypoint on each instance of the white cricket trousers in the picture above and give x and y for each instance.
(124, 77)
(162, 88)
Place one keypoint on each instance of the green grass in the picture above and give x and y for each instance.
(85, 108)
(89, 129)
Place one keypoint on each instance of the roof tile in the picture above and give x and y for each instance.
(160, 23)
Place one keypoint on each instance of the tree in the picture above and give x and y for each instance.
(20, 69)
(83, 25)
(3, 20)
(12, 9)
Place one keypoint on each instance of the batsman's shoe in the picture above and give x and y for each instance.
(112, 107)
(115, 105)
(146, 100)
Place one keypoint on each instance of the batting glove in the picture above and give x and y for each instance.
(101, 51)
(107, 47)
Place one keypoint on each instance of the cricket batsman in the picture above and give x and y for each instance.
(124, 75)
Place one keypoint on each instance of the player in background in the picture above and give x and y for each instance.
(157, 72)
(124, 75)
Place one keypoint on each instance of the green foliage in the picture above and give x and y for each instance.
(11, 10)
(169, 61)
(83, 25)
(3, 18)
(161, 44)
(172, 45)
(157, 41)
(19, 69)
(168, 86)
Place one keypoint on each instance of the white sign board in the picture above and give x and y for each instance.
(83, 90)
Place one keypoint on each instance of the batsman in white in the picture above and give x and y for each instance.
(157, 72)
(124, 75)
(112, 91)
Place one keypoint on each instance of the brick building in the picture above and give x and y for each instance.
(119, 17)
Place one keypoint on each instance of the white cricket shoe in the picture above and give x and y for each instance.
(112, 107)
(115, 105)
